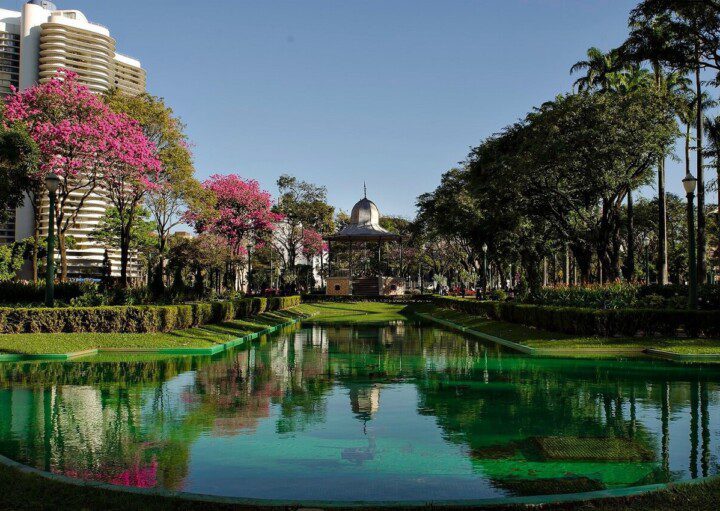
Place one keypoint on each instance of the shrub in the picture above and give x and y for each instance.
(222, 311)
(609, 296)
(498, 294)
(652, 301)
(282, 302)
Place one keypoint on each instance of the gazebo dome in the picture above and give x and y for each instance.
(364, 225)
(365, 213)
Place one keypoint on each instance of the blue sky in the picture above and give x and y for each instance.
(336, 92)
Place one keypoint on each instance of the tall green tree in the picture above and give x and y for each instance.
(306, 211)
(18, 162)
(176, 187)
(622, 75)
(713, 134)
(141, 240)
(648, 42)
(690, 43)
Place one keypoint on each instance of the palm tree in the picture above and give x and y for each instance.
(686, 110)
(601, 68)
(712, 129)
(648, 41)
(677, 87)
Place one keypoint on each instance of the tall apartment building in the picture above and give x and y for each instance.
(34, 44)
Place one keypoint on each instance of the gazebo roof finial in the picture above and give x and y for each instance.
(365, 189)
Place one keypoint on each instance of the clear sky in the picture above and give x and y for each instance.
(337, 92)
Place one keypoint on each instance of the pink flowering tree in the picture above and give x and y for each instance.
(242, 213)
(312, 243)
(133, 169)
(71, 128)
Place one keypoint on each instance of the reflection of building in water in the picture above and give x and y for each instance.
(365, 401)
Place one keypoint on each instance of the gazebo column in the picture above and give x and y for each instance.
(380, 272)
(350, 262)
(329, 258)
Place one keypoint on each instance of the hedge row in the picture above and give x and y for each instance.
(624, 295)
(135, 319)
(590, 322)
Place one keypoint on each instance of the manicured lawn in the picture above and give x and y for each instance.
(200, 337)
(355, 312)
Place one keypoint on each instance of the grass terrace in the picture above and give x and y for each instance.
(205, 336)
(565, 343)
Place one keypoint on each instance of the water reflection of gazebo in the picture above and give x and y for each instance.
(362, 231)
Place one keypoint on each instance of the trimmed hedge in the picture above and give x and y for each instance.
(625, 296)
(134, 319)
(589, 322)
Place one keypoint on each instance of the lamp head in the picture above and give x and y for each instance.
(689, 183)
(52, 182)
(484, 247)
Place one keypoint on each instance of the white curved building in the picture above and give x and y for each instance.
(34, 44)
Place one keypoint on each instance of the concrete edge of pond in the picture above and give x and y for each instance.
(319, 504)
(63, 357)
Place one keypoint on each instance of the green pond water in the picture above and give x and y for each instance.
(404, 411)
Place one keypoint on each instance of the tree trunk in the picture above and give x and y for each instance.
(534, 280)
(124, 253)
(663, 276)
(158, 280)
(630, 262)
(36, 235)
(62, 251)
(566, 271)
(583, 260)
(36, 247)
(701, 268)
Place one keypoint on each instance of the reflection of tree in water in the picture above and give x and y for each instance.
(496, 408)
(134, 422)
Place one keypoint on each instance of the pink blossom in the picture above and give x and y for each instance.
(312, 243)
(243, 211)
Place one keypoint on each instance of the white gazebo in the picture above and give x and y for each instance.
(363, 230)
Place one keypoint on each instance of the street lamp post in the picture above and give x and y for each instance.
(689, 183)
(485, 273)
(52, 182)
